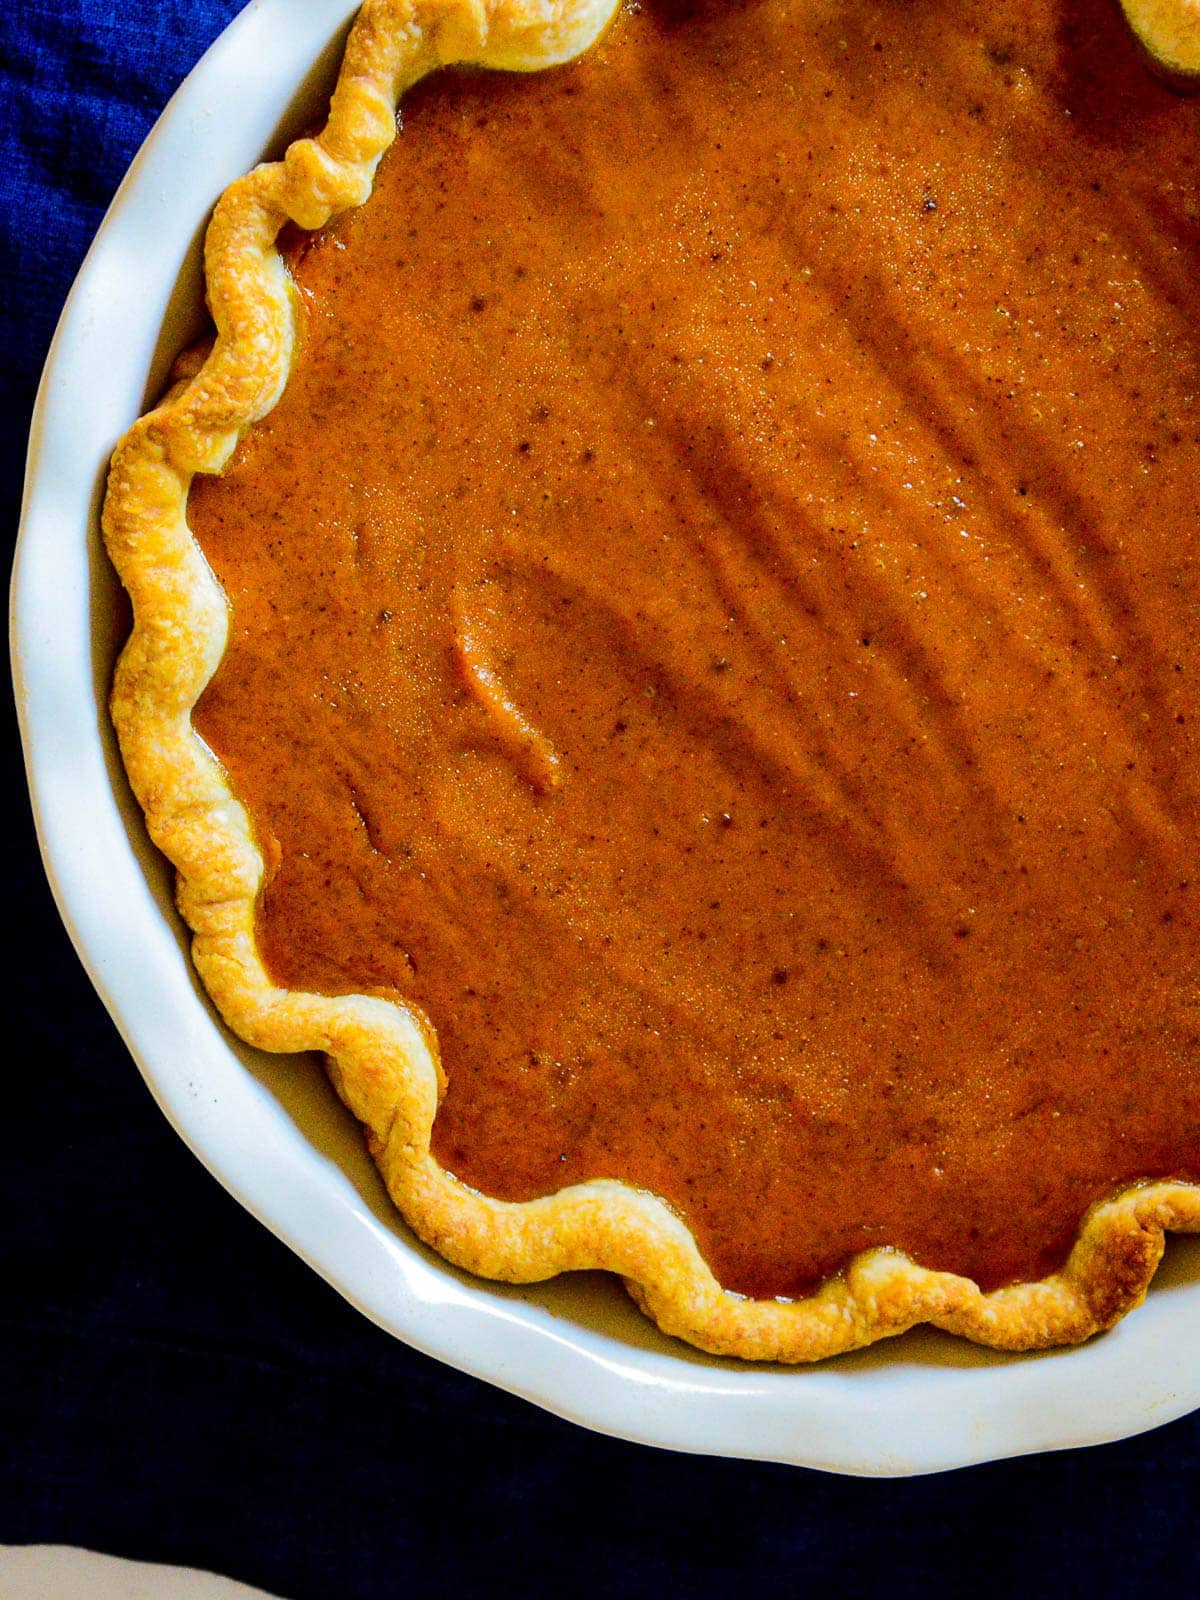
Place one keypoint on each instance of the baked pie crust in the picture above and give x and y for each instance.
(1169, 33)
(379, 1058)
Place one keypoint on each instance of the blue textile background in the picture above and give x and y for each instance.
(174, 1384)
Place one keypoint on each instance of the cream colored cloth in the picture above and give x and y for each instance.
(57, 1572)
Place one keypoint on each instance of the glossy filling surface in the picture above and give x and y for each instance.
(715, 616)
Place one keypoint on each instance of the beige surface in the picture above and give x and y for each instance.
(59, 1572)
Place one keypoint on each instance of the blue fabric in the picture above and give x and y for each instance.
(81, 82)
(175, 1384)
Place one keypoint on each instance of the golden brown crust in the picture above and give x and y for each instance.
(1169, 32)
(379, 1059)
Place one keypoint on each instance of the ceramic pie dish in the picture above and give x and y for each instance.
(748, 1385)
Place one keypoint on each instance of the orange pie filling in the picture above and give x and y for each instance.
(716, 624)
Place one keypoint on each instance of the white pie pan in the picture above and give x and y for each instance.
(269, 1128)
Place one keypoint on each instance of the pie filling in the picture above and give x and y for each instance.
(715, 623)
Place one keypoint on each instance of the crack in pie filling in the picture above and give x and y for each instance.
(698, 718)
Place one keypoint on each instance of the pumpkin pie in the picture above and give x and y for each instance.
(667, 623)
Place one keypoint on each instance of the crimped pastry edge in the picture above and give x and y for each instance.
(378, 1057)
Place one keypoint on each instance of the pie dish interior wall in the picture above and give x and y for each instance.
(268, 1126)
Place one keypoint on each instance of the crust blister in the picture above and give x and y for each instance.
(379, 1059)
(1169, 33)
